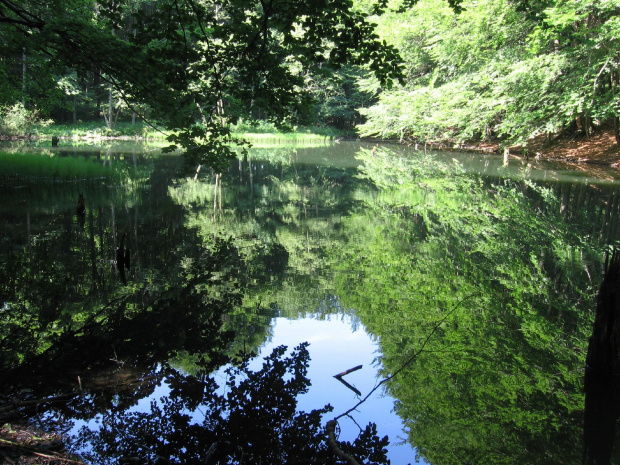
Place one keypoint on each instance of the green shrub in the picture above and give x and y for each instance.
(16, 120)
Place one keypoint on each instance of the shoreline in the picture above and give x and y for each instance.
(600, 149)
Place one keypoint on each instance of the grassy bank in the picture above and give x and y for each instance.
(254, 133)
(56, 168)
(95, 130)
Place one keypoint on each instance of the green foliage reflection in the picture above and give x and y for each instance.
(501, 380)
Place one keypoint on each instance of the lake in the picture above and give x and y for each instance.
(446, 301)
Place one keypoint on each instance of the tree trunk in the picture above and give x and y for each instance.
(110, 108)
(586, 126)
(24, 77)
(614, 75)
(97, 90)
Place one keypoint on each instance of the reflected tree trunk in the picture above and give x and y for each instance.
(565, 200)
(217, 193)
(602, 376)
(581, 197)
(93, 251)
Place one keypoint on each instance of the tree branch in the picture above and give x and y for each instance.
(332, 423)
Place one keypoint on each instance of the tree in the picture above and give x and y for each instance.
(199, 63)
(501, 70)
(255, 420)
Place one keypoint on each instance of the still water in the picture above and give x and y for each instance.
(459, 292)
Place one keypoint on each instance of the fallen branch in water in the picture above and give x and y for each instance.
(348, 385)
(25, 442)
(346, 372)
(15, 404)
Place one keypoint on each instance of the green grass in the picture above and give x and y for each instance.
(98, 130)
(55, 168)
(270, 140)
(262, 132)
(263, 127)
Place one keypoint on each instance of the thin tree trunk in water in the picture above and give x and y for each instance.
(613, 216)
(28, 235)
(580, 197)
(93, 250)
(113, 217)
(599, 219)
(251, 182)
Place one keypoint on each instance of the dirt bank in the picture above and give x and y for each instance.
(598, 149)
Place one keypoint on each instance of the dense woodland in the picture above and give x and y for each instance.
(428, 70)
(415, 245)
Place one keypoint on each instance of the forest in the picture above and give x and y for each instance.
(417, 71)
(137, 301)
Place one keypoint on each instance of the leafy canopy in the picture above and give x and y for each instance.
(202, 64)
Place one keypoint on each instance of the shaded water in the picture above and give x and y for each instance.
(473, 284)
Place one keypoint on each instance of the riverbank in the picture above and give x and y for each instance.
(26, 445)
(598, 149)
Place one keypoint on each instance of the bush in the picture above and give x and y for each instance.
(17, 120)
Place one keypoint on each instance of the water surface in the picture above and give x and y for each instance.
(470, 284)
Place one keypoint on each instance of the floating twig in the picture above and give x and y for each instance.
(348, 385)
(331, 425)
(346, 372)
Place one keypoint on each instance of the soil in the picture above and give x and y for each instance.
(600, 149)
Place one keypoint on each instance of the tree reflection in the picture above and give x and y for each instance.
(144, 325)
(254, 419)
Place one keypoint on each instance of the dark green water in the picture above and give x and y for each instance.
(470, 284)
